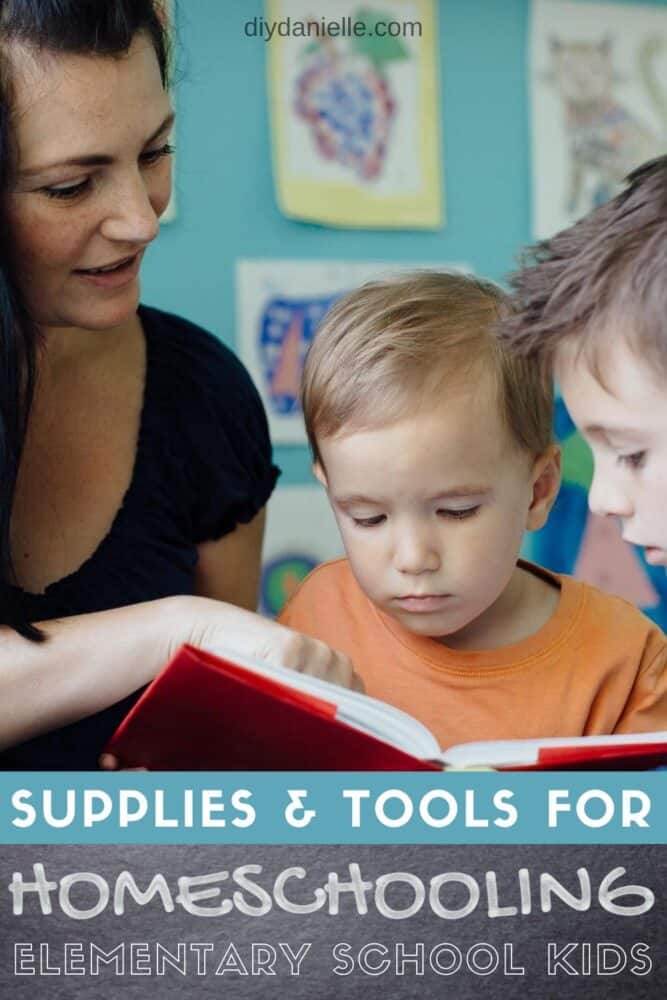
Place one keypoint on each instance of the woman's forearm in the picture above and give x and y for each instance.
(88, 663)
(92, 661)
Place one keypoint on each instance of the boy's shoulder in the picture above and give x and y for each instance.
(336, 573)
(600, 609)
(324, 587)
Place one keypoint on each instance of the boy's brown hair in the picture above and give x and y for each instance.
(610, 267)
(391, 346)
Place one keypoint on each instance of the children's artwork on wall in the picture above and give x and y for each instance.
(355, 116)
(599, 103)
(279, 306)
(590, 547)
(301, 532)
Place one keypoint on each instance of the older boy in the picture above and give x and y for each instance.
(593, 306)
(435, 449)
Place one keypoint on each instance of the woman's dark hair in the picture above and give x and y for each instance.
(74, 27)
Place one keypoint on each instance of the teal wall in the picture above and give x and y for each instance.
(226, 205)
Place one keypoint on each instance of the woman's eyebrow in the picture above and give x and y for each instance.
(96, 159)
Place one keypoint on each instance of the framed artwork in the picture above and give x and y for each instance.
(355, 115)
(599, 103)
(280, 303)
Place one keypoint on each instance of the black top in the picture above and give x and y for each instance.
(203, 464)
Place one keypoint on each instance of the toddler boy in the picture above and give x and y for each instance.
(434, 445)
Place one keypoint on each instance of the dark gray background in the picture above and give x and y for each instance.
(645, 866)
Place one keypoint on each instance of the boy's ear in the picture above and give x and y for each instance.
(546, 483)
(320, 475)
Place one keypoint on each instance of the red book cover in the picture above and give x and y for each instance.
(204, 712)
(603, 757)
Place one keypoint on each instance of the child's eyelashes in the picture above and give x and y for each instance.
(66, 192)
(369, 522)
(455, 514)
(635, 460)
(458, 514)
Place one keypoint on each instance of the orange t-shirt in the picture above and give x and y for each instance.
(597, 666)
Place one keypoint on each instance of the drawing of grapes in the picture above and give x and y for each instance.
(345, 96)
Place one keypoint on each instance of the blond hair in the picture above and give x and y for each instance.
(390, 346)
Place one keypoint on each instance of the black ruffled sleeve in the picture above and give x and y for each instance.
(224, 450)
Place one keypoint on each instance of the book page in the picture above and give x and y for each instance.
(355, 709)
(497, 753)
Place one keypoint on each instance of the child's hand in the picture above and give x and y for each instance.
(212, 625)
(309, 656)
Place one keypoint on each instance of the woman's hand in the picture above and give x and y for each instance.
(214, 625)
(95, 660)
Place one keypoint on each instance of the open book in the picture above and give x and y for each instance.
(217, 711)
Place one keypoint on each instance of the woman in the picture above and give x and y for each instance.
(134, 452)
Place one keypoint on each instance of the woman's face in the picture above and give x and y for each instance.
(93, 177)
